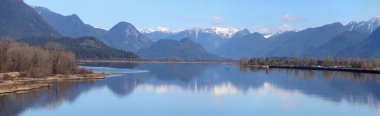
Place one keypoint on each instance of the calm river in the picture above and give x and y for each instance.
(202, 90)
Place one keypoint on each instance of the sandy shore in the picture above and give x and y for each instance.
(20, 84)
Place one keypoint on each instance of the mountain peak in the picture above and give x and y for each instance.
(335, 24)
(124, 25)
(45, 12)
(241, 33)
(375, 19)
(75, 16)
(244, 32)
(225, 32)
(364, 26)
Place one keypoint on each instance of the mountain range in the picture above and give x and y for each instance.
(21, 23)
(328, 40)
(126, 37)
(333, 39)
(209, 38)
(122, 36)
(182, 49)
(355, 39)
(336, 40)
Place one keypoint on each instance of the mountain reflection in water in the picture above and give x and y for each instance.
(218, 80)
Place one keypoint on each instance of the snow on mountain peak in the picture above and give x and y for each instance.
(224, 32)
(364, 26)
(147, 30)
(160, 29)
(268, 35)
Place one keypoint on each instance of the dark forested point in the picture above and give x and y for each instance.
(309, 62)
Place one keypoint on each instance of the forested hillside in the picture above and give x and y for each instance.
(83, 48)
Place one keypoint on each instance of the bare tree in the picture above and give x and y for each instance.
(36, 62)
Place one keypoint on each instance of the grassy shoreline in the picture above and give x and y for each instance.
(21, 84)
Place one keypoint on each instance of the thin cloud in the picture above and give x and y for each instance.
(217, 20)
(291, 18)
(286, 27)
(160, 29)
(262, 29)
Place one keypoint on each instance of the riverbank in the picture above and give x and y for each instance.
(342, 69)
(355, 65)
(13, 82)
(339, 69)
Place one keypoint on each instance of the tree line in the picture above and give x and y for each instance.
(358, 63)
(35, 61)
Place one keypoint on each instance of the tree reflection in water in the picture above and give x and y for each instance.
(356, 88)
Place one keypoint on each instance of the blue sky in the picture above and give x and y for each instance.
(255, 15)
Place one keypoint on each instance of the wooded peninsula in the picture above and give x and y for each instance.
(309, 63)
(23, 67)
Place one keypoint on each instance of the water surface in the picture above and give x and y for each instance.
(202, 90)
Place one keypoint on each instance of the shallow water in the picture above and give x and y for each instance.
(202, 90)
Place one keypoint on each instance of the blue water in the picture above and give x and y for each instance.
(203, 90)
(112, 70)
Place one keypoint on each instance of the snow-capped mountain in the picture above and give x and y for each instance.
(209, 38)
(364, 26)
(223, 31)
(159, 33)
(159, 29)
